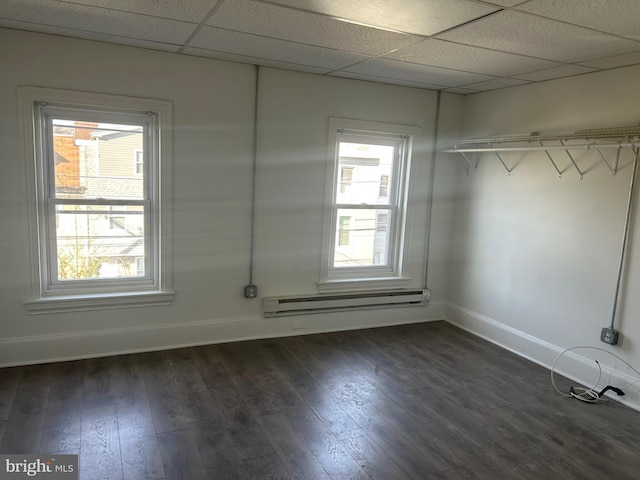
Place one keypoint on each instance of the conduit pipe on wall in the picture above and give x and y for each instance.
(251, 290)
(432, 174)
(625, 234)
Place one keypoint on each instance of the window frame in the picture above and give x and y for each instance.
(391, 275)
(47, 294)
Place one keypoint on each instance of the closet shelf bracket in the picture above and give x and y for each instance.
(599, 140)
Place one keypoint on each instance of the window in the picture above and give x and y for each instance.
(383, 191)
(382, 222)
(366, 205)
(138, 162)
(100, 235)
(116, 219)
(344, 231)
(116, 222)
(140, 266)
(346, 177)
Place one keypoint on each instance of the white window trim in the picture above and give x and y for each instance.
(366, 278)
(159, 289)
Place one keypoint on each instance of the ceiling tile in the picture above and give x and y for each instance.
(99, 37)
(237, 43)
(526, 34)
(229, 57)
(390, 81)
(270, 20)
(380, 67)
(496, 83)
(556, 72)
(421, 17)
(95, 20)
(187, 10)
(615, 61)
(619, 17)
(444, 54)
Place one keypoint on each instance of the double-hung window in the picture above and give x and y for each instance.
(364, 232)
(99, 230)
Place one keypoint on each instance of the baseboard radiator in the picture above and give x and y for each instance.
(298, 305)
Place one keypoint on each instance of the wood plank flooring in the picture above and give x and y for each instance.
(425, 401)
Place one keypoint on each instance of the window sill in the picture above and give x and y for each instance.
(353, 285)
(79, 303)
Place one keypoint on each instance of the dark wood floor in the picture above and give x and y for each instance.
(424, 401)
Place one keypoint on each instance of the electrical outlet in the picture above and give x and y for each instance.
(427, 295)
(609, 335)
(250, 291)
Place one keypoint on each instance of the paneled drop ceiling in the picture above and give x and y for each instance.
(460, 46)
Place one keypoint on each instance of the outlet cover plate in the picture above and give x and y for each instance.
(609, 335)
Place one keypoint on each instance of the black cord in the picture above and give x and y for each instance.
(609, 387)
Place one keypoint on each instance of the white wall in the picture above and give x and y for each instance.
(213, 113)
(536, 257)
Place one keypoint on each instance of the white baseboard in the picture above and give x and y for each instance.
(578, 365)
(78, 345)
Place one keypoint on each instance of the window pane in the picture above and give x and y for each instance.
(365, 172)
(98, 160)
(362, 238)
(97, 241)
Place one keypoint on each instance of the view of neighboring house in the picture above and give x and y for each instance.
(104, 164)
(362, 232)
